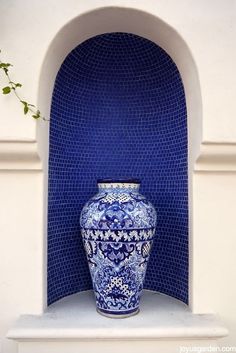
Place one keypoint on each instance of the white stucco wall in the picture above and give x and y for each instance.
(209, 28)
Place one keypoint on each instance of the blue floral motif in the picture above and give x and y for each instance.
(115, 216)
(116, 252)
(118, 226)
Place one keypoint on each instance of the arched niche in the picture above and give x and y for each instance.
(114, 19)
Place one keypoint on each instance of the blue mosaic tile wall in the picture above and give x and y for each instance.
(118, 110)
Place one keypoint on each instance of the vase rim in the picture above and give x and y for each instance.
(117, 180)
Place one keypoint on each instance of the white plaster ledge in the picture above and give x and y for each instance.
(216, 156)
(19, 155)
(75, 317)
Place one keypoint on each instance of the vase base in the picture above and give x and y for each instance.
(122, 315)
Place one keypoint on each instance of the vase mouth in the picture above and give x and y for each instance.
(119, 180)
(118, 184)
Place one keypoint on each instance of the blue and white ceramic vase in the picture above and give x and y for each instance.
(118, 227)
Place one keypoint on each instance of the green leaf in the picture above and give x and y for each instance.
(26, 109)
(16, 84)
(4, 65)
(6, 90)
(37, 115)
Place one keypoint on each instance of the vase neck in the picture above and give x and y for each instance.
(118, 185)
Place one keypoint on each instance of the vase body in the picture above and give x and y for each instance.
(118, 227)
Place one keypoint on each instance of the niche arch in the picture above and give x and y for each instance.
(112, 19)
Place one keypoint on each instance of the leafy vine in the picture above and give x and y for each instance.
(13, 87)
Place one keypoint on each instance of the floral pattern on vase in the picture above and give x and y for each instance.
(118, 227)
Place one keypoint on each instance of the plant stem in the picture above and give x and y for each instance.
(13, 87)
